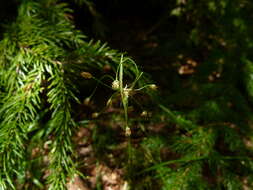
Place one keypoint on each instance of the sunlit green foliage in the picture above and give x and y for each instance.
(42, 58)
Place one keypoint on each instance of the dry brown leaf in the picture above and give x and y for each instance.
(77, 184)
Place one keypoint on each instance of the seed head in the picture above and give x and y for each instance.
(115, 85)
(128, 132)
(86, 101)
(95, 115)
(86, 75)
(126, 92)
(144, 113)
(153, 87)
